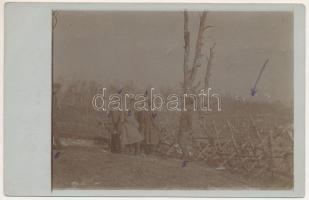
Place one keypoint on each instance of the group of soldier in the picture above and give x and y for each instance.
(133, 131)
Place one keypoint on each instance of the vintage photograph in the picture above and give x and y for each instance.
(181, 99)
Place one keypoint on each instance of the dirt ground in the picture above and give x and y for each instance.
(95, 168)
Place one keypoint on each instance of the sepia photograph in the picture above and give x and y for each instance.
(175, 100)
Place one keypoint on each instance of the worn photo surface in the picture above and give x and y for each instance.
(172, 100)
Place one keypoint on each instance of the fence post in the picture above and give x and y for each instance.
(270, 161)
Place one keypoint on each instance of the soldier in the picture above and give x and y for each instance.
(131, 137)
(148, 128)
(116, 130)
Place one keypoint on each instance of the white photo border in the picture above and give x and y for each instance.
(27, 99)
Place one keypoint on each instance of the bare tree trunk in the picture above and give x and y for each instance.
(187, 51)
(198, 47)
(208, 66)
(185, 122)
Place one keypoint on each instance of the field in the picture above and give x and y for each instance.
(247, 145)
(95, 168)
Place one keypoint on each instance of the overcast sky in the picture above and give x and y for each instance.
(147, 48)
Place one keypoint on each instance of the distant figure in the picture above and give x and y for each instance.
(148, 128)
(116, 131)
(131, 137)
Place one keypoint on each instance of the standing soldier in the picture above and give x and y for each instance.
(116, 130)
(148, 128)
(116, 118)
(131, 136)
